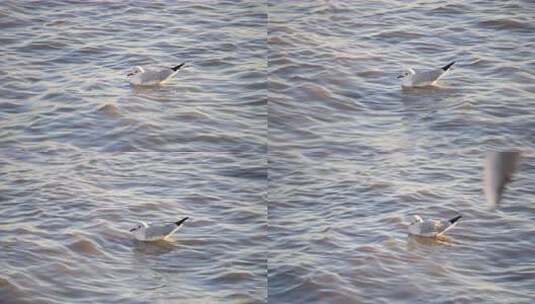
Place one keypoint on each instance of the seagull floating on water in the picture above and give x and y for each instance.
(144, 232)
(431, 228)
(498, 171)
(411, 78)
(147, 76)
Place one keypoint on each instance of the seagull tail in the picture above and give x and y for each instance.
(455, 219)
(181, 221)
(178, 67)
(448, 66)
(453, 223)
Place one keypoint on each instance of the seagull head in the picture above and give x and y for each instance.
(407, 73)
(416, 219)
(139, 227)
(135, 71)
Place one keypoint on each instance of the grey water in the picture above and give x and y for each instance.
(64, 65)
(286, 139)
(84, 155)
(352, 155)
(65, 228)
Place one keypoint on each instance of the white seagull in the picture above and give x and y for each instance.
(144, 232)
(432, 228)
(411, 78)
(147, 76)
(498, 171)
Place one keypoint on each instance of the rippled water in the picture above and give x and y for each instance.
(64, 228)
(319, 217)
(352, 155)
(63, 74)
(83, 154)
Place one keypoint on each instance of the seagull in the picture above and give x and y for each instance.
(432, 228)
(147, 76)
(498, 171)
(410, 78)
(144, 232)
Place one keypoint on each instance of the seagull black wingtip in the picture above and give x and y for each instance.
(448, 66)
(181, 221)
(455, 219)
(178, 67)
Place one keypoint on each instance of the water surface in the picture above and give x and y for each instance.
(352, 155)
(65, 228)
(63, 74)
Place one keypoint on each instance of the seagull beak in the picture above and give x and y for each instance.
(133, 229)
(129, 74)
(400, 76)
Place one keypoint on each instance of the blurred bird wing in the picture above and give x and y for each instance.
(498, 170)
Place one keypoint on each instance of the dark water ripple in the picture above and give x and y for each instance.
(351, 155)
(64, 62)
